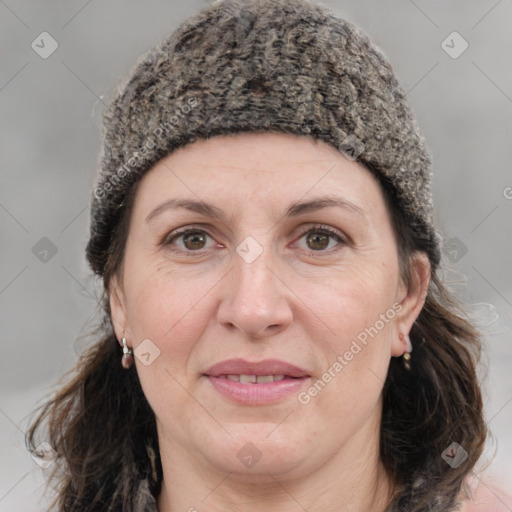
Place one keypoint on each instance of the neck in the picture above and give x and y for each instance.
(352, 480)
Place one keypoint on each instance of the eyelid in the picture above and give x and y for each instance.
(189, 228)
(321, 227)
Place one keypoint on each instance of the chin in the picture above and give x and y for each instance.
(256, 466)
(254, 454)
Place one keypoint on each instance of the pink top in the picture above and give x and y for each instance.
(487, 498)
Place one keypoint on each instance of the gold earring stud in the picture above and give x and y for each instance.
(407, 354)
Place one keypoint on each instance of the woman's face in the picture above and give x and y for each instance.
(275, 275)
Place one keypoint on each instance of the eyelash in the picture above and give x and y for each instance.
(310, 229)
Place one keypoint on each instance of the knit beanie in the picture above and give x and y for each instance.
(258, 66)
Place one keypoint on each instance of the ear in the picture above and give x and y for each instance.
(117, 308)
(411, 300)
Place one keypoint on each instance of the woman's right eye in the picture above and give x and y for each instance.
(187, 240)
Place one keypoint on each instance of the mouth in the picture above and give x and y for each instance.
(239, 368)
(256, 383)
(255, 379)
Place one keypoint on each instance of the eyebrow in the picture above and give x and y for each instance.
(294, 210)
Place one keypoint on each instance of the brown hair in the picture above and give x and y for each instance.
(104, 430)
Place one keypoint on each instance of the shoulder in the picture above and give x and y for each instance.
(487, 498)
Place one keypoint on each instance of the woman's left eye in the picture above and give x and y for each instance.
(319, 238)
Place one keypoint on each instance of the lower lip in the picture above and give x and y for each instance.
(256, 394)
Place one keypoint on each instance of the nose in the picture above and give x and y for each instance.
(255, 299)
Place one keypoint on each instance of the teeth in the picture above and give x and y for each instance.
(253, 379)
(247, 379)
(260, 379)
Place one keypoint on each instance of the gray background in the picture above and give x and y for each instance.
(50, 113)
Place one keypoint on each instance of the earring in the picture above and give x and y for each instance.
(407, 354)
(127, 359)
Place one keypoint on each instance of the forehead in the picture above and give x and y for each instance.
(250, 169)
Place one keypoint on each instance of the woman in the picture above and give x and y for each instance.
(276, 336)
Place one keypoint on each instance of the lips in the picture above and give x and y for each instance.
(260, 383)
(260, 369)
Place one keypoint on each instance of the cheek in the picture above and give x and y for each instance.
(354, 301)
(358, 309)
(168, 308)
(357, 354)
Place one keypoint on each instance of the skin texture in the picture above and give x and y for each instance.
(295, 302)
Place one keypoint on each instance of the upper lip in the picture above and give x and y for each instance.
(265, 367)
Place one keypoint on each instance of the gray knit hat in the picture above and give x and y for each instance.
(262, 65)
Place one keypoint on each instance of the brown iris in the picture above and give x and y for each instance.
(318, 241)
(194, 241)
